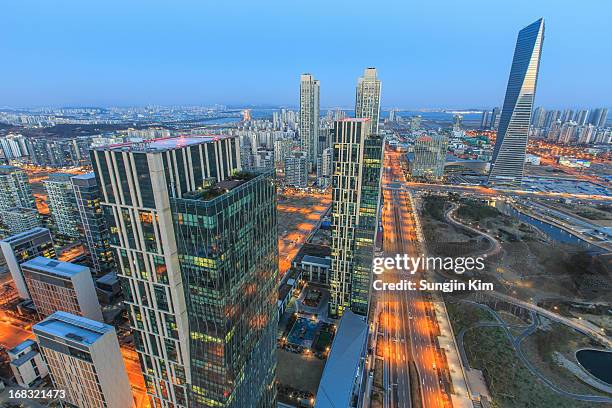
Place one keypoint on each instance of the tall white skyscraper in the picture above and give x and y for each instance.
(367, 98)
(309, 116)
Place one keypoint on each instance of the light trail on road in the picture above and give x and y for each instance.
(407, 328)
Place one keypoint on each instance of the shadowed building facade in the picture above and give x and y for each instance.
(197, 256)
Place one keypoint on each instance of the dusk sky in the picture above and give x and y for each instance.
(429, 54)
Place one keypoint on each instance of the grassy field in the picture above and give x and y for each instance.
(511, 384)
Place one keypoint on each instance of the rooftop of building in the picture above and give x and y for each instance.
(354, 120)
(22, 346)
(72, 327)
(336, 386)
(20, 210)
(7, 169)
(213, 188)
(85, 176)
(26, 235)
(18, 362)
(312, 250)
(59, 177)
(316, 260)
(164, 144)
(58, 268)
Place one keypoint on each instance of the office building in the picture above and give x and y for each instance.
(429, 157)
(296, 170)
(511, 143)
(309, 117)
(22, 247)
(355, 200)
(55, 285)
(93, 223)
(201, 279)
(367, 99)
(62, 204)
(27, 364)
(84, 361)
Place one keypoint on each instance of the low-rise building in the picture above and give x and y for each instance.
(27, 363)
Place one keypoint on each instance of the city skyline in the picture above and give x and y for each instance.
(87, 65)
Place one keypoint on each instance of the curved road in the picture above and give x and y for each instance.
(516, 345)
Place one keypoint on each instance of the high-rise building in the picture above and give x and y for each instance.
(13, 146)
(567, 133)
(15, 190)
(511, 143)
(93, 224)
(551, 117)
(367, 99)
(22, 247)
(355, 199)
(429, 156)
(581, 117)
(495, 117)
(55, 285)
(200, 277)
(85, 361)
(599, 117)
(484, 120)
(457, 122)
(18, 219)
(415, 122)
(62, 204)
(586, 134)
(567, 115)
(309, 117)
(296, 170)
(325, 167)
(539, 116)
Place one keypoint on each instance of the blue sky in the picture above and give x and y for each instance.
(453, 54)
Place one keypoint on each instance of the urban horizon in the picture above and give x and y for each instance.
(219, 256)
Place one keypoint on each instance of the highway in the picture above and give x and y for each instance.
(405, 319)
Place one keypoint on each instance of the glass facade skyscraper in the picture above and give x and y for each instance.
(355, 200)
(62, 204)
(511, 143)
(227, 248)
(197, 256)
(429, 156)
(95, 230)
